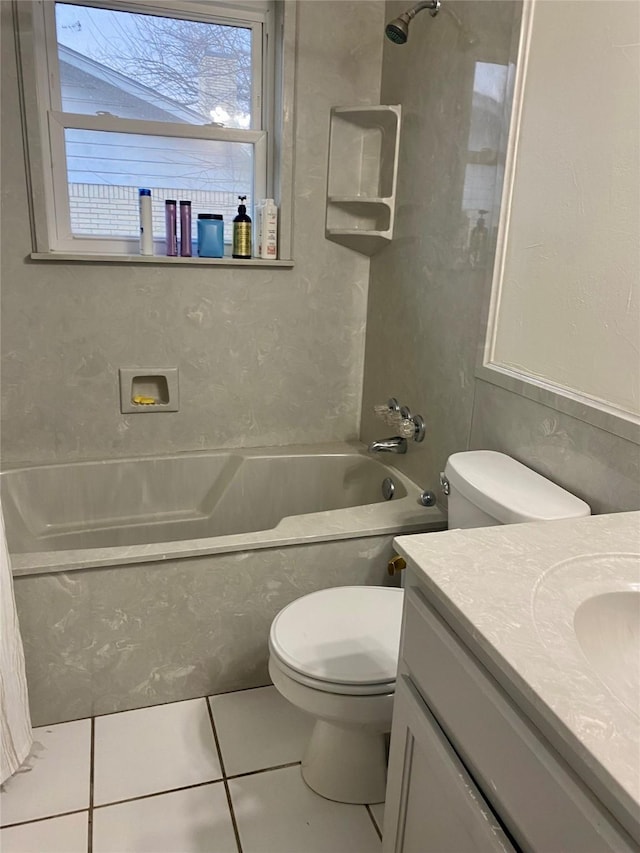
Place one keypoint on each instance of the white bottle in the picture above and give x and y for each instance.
(268, 230)
(257, 231)
(146, 226)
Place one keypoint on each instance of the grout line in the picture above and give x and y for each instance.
(40, 819)
(156, 794)
(374, 822)
(93, 806)
(170, 790)
(234, 822)
(264, 770)
(215, 737)
(91, 783)
(236, 831)
(155, 704)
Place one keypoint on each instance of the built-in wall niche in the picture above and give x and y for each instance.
(564, 319)
(362, 174)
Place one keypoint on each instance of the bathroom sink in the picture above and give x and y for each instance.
(588, 607)
(607, 627)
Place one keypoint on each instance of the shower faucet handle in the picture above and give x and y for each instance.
(406, 428)
(417, 421)
(411, 426)
(400, 418)
(389, 412)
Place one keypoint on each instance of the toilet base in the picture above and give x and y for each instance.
(346, 765)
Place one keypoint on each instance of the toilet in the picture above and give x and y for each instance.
(334, 653)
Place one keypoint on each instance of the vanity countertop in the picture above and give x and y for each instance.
(511, 593)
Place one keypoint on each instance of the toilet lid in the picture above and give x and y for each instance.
(345, 635)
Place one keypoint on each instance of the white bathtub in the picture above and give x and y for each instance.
(123, 511)
(151, 580)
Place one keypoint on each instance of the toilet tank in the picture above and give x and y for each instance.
(488, 488)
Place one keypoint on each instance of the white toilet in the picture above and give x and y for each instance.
(334, 653)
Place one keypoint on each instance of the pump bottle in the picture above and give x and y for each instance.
(242, 232)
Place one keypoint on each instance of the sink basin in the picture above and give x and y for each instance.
(587, 608)
(607, 627)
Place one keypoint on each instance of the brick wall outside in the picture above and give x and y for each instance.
(102, 210)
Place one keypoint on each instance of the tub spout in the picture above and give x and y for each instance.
(396, 444)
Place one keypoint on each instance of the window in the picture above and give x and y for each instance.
(174, 97)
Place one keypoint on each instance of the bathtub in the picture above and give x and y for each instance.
(149, 580)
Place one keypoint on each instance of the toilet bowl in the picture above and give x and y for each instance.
(334, 654)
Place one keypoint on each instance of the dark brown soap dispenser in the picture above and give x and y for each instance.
(242, 232)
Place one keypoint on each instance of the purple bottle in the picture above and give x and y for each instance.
(185, 229)
(170, 223)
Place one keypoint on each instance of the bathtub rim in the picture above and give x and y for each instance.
(401, 516)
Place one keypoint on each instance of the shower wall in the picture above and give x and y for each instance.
(265, 356)
(429, 289)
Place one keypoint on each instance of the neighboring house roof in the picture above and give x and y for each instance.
(93, 88)
(88, 87)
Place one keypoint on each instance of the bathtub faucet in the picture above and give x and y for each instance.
(396, 444)
(404, 424)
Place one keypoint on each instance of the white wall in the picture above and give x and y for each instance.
(426, 297)
(569, 310)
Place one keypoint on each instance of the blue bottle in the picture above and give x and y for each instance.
(210, 235)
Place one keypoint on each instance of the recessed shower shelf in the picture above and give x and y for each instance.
(363, 165)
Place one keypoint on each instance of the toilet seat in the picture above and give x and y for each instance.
(363, 690)
(342, 640)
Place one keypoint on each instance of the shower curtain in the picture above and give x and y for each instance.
(15, 721)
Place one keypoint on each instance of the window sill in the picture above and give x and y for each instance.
(74, 257)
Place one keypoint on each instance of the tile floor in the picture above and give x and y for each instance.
(220, 776)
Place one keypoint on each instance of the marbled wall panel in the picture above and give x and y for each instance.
(266, 356)
(426, 300)
(103, 640)
(599, 467)
(427, 304)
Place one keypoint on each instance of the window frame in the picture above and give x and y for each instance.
(53, 121)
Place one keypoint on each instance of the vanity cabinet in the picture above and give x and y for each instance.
(439, 807)
(468, 771)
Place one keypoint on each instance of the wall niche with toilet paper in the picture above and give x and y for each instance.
(148, 389)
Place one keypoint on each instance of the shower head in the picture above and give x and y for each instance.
(398, 30)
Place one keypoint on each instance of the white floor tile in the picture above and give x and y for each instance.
(153, 749)
(277, 813)
(258, 729)
(193, 821)
(68, 834)
(58, 780)
(377, 811)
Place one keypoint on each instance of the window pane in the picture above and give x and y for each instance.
(106, 169)
(155, 68)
